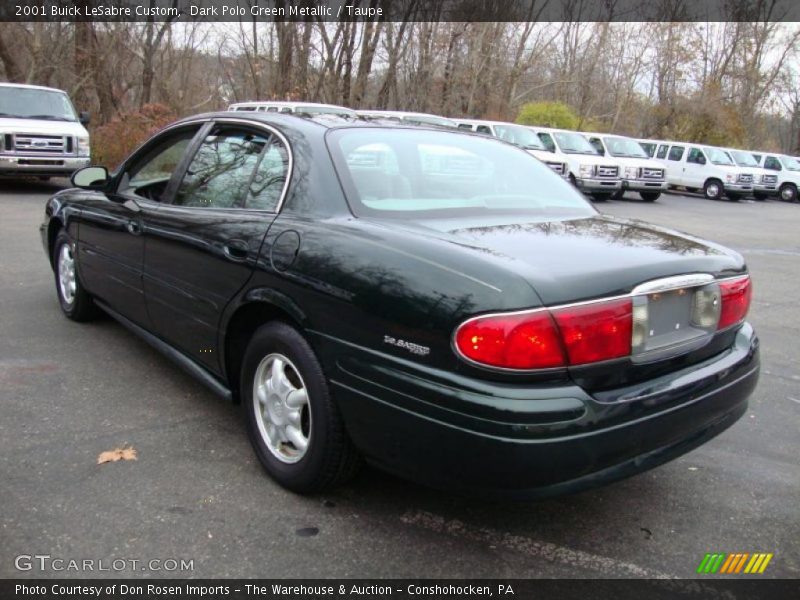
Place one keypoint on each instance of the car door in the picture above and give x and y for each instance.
(111, 234)
(675, 165)
(694, 170)
(203, 245)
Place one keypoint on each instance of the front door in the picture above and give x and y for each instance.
(203, 245)
(111, 233)
(694, 172)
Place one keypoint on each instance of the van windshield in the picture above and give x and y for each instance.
(791, 163)
(519, 136)
(718, 157)
(573, 143)
(743, 159)
(619, 146)
(428, 174)
(32, 103)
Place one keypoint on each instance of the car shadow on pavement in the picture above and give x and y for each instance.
(32, 187)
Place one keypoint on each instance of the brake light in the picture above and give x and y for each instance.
(596, 331)
(526, 340)
(736, 295)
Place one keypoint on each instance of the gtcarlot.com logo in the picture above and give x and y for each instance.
(46, 562)
(735, 563)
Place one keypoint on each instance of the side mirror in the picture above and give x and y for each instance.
(90, 178)
(83, 117)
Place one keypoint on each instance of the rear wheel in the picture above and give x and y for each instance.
(788, 192)
(713, 189)
(76, 303)
(292, 421)
(650, 196)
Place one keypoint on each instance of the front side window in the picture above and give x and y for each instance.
(650, 149)
(401, 174)
(485, 130)
(676, 153)
(662, 151)
(772, 163)
(547, 141)
(696, 156)
(219, 174)
(147, 175)
(598, 145)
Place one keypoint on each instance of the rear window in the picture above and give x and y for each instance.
(395, 173)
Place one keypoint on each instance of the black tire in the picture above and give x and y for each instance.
(80, 307)
(573, 181)
(650, 196)
(618, 195)
(330, 458)
(733, 197)
(713, 189)
(600, 196)
(788, 192)
(759, 196)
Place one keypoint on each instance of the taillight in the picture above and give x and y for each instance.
(596, 331)
(736, 295)
(527, 340)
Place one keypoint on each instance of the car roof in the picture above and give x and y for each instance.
(31, 87)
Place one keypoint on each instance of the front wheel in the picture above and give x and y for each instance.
(788, 192)
(713, 189)
(292, 421)
(75, 301)
(650, 196)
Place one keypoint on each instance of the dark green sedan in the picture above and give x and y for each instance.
(436, 303)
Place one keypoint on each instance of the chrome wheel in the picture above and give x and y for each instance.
(787, 193)
(66, 274)
(281, 408)
(712, 190)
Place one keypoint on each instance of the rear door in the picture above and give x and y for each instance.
(203, 246)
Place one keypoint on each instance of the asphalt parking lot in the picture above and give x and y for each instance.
(69, 392)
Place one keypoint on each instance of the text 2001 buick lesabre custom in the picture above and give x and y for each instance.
(436, 302)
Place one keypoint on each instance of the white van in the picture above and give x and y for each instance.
(787, 169)
(765, 183)
(41, 134)
(639, 172)
(305, 108)
(413, 118)
(518, 135)
(705, 168)
(595, 175)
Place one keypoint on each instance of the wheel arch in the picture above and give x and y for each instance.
(53, 227)
(258, 307)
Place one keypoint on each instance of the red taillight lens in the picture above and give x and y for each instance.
(515, 341)
(736, 295)
(596, 331)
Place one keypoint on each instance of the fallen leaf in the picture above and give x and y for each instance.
(126, 453)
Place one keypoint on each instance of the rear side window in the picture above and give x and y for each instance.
(676, 152)
(269, 178)
(219, 174)
(772, 163)
(465, 126)
(662, 151)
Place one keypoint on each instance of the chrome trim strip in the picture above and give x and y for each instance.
(672, 283)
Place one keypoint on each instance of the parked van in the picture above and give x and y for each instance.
(650, 146)
(765, 183)
(413, 118)
(306, 108)
(639, 172)
(705, 168)
(518, 135)
(595, 175)
(787, 170)
(41, 134)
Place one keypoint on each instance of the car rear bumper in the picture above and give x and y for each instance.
(42, 166)
(536, 441)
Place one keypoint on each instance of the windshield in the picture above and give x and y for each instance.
(743, 159)
(31, 103)
(718, 157)
(619, 146)
(519, 136)
(402, 174)
(573, 143)
(791, 163)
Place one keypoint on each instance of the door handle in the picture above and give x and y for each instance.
(235, 250)
(134, 228)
